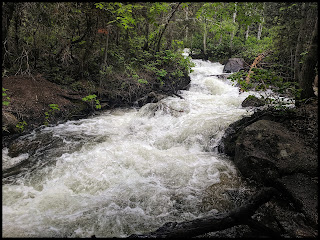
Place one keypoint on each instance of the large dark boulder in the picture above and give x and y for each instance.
(266, 150)
(234, 65)
(271, 148)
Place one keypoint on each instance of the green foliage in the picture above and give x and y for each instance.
(121, 13)
(161, 61)
(251, 97)
(21, 126)
(176, 45)
(262, 79)
(53, 109)
(253, 47)
(240, 79)
(5, 103)
(140, 80)
(92, 99)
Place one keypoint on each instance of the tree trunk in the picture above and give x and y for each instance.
(165, 27)
(205, 38)
(146, 44)
(247, 32)
(106, 49)
(260, 24)
(7, 13)
(260, 30)
(308, 71)
(187, 18)
(232, 34)
(16, 34)
(299, 44)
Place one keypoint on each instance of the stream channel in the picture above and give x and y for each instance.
(128, 171)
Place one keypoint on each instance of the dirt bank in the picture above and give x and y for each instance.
(30, 98)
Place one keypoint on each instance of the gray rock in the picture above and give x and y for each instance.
(234, 65)
(253, 101)
(9, 122)
(266, 150)
(304, 192)
(152, 97)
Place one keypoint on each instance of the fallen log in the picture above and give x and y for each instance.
(217, 222)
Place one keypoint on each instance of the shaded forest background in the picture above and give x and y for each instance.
(120, 51)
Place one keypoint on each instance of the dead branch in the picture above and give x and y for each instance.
(218, 222)
(254, 64)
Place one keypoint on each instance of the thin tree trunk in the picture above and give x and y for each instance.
(291, 61)
(7, 13)
(187, 18)
(106, 51)
(299, 44)
(260, 24)
(16, 36)
(308, 71)
(247, 32)
(233, 32)
(165, 26)
(220, 41)
(205, 38)
(146, 44)
(260, 30)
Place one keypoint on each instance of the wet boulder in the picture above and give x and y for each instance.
(266, 150)
(30, 145)
(151, 97)
(253, 101)
(234, 65)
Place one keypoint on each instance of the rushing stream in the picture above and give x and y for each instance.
(128, 171)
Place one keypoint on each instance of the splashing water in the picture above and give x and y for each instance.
(129, 171)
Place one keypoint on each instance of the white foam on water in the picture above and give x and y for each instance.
(135, 170)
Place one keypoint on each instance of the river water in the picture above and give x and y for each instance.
(129, 171)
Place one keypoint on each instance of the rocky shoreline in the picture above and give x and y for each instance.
(279, 149)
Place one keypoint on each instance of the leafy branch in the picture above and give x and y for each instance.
(5, 103)
(92, 99)
(53, 109)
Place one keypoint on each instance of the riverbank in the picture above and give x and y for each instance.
(279, 149)
(30, 98)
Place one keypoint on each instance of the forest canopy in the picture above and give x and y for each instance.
(115, 49)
